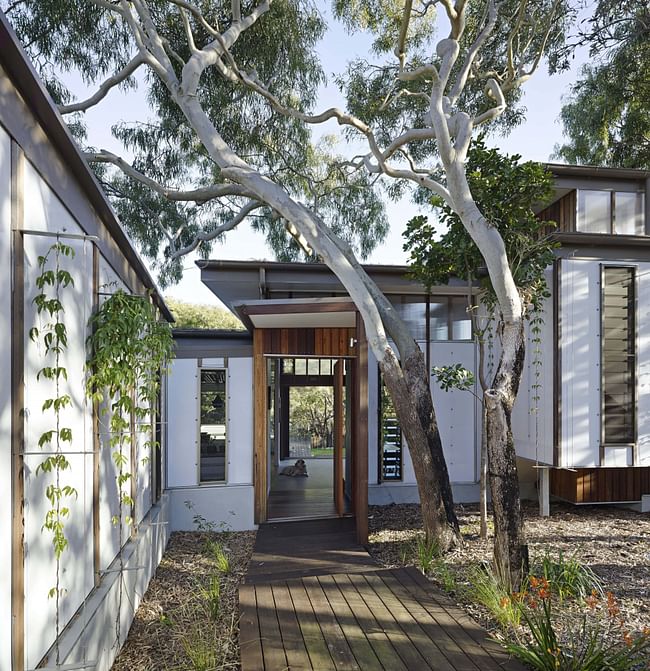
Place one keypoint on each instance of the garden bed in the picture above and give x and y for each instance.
(613, 542)
(185, 621)
(175, 627)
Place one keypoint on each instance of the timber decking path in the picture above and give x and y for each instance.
(313, 599)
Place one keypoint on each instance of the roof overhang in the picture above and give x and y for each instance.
(246, 283)
(298, 313)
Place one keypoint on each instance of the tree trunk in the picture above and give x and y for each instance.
(409, 388)
(483, 476)
(510, 549)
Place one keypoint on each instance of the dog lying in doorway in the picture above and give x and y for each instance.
(299, 468)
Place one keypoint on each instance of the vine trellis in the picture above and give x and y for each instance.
(52, 335)
(129, 347)
(128, 351)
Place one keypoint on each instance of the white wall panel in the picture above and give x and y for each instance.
(144, 464)
(5, 399)
(532, 421)
(109, 280)
(240, 421)
(580, 343)
(643, 363)
(182, 431)
(456, 412)
(76, 571)
(43, 210)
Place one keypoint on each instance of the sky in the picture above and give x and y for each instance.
(534, 140)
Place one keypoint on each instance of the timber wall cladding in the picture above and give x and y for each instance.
(562, 212)
(310, 341)
(601, 485)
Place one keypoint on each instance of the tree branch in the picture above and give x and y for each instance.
(470, 58)
(105, 87)
(199, 196)
(206, 236)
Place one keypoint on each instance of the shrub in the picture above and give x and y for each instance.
(568, 577)
(488, 590)
(428, 550)
(599, 642)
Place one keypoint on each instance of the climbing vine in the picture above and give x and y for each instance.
(129, 348)
(51, 334)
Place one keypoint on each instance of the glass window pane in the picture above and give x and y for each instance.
(301, 367)
(313, 367)
(413, 310)
(628, 213)
(213, 426)
(461, 323)
(438, 319)
(594, 211)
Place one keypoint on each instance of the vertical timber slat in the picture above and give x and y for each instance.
(17, 412)
(361, 447)
(259, 402)
(338, 438)
(96, 443)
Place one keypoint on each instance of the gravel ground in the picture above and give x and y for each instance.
(174, 629)
(613, 542)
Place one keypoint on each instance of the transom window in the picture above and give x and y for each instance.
(614, 212)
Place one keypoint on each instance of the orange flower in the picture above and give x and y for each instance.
(612, 606)
(505, 602)
(629, 641)
(592, 601)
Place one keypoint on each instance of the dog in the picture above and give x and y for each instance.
(299, 468)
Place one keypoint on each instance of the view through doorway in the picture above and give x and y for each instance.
(309, 437)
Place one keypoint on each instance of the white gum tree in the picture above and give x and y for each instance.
(415, 114)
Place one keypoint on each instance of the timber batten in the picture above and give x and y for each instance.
(601, 485)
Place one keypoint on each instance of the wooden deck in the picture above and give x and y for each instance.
(335, 609)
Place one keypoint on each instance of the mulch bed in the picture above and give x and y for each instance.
(613, 542)
(173, 629)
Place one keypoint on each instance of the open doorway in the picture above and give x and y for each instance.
(309, 438)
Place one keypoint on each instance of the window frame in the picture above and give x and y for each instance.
(612, 211)
(635, 300)
(200, 481)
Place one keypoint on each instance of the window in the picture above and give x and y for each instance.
(448, 318)
(213, 425)
(390, 437)
(618, 212)
(413, 310)
(618, 344)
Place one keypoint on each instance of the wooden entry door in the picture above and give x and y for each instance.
(339, 439)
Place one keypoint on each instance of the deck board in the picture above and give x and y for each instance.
(310, 603)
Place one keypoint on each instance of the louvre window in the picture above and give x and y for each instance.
(618, 355)
(213, 425)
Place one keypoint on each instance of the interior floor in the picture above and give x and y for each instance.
(304, 497)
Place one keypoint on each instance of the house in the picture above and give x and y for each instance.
(582, 417)
(48, 196)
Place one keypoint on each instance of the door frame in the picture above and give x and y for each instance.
(349, 343)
